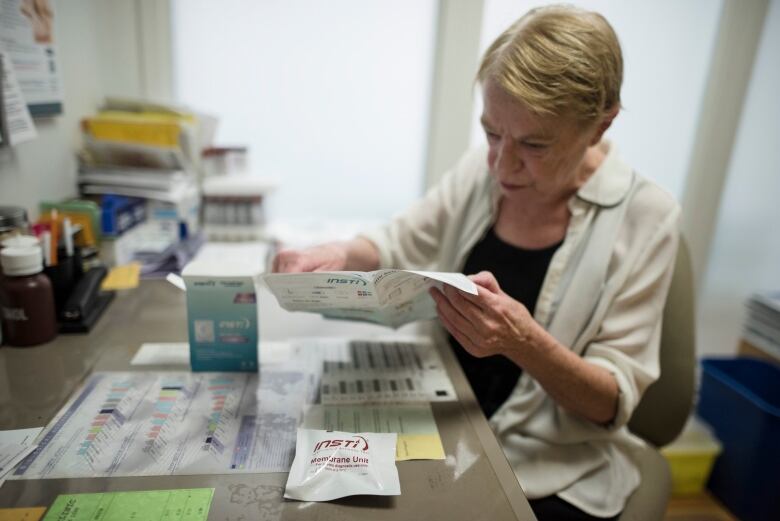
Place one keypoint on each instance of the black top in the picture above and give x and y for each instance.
(520, 274)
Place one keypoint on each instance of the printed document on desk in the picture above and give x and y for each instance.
(388, 297)
(174, 423)
(149, 505)
(149, 423)
(15, 445)
(381, 371)
(418, 436)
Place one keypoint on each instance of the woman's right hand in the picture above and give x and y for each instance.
(327, 257)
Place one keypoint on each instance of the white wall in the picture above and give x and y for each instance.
(93, 42)
(745, 254)
(666, 51)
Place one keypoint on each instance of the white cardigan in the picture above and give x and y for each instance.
(602, 297)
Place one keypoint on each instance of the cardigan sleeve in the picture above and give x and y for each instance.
(628, 341)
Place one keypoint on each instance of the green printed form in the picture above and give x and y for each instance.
(152, 505)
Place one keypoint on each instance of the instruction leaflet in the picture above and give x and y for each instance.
(388, 297)
(176, 423)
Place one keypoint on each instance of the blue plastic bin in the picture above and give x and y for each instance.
(740, 399)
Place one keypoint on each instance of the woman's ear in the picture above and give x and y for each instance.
(605, 123)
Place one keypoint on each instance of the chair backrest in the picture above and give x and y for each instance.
(665, 406)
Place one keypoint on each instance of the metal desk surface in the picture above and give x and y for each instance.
(474, 481)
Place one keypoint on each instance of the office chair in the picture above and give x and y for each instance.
(665, 406)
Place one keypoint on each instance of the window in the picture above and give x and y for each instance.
(332, 98)
(745, 252)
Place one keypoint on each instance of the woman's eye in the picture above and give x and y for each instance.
(535, 146)
(492, 136)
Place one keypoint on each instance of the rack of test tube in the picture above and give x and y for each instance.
(233, 208)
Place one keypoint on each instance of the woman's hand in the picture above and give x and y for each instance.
(357, 254)
(328, 257)
(493, 323)
(490, 323)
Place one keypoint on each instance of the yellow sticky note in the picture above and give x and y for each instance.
(22, 514)
(418, 446)
(122, 277)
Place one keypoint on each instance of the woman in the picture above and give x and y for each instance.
(573, 254)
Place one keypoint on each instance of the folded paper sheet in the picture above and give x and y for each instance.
(388, 297)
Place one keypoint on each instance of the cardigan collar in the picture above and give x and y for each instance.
(611, 181)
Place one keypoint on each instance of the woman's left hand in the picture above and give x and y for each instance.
(493, 323)
(486, 324)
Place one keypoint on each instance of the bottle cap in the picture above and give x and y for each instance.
(18, 262)
(20, 241)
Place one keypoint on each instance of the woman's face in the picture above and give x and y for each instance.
(532, 156)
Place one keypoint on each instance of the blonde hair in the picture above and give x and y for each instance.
(558, 60)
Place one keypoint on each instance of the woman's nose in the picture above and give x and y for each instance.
(507, 161)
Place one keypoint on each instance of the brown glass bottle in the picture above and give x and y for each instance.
(26, 298)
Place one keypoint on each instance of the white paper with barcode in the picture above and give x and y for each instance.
(379, 371)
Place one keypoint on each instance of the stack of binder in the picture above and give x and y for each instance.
(762, 325)
(150, 152)
(138, 145)
(146, 150)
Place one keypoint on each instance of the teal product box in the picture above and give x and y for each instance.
(222, 316)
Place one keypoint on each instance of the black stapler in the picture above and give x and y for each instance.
(86, 303)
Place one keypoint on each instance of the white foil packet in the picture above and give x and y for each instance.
(332, 464)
